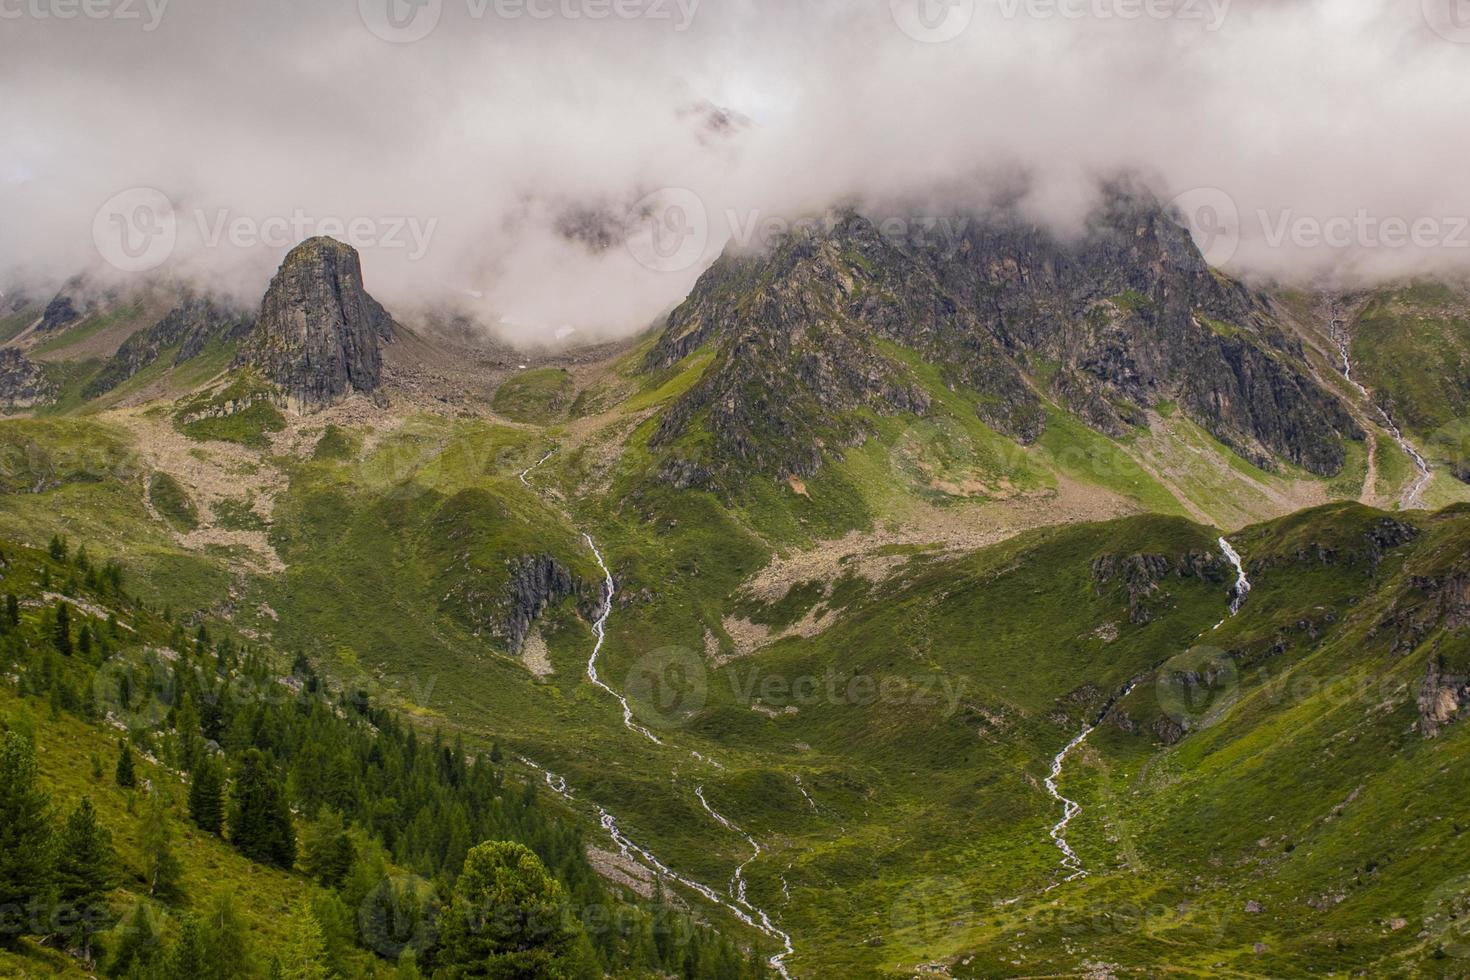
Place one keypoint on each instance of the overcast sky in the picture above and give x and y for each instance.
(456, 153)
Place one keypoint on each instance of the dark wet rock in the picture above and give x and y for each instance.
(319, 334)
(187, 330)
(1119, 321)
(1441, 698)
(536, 582)
(61, 311)
(1142, 575)
(22, 384)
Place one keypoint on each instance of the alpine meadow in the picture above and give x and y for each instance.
(647, 489)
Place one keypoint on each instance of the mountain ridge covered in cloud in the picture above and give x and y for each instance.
(531, 168)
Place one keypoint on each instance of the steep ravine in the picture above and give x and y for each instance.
(1071, 862)
(1411, 497)
(737, 904)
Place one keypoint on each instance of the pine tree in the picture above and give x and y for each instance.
(227, 953)
(12, 609)
(85, 863)
(327, 850)
(61, 629)
(140, 948)
(126, 777)
(186, 724)
(57, 548)
(260, 821)
(161, 868)
(206, 796)
(25, 832)
(408, 967)
(304, 954)
(506, 917)
(188, 959)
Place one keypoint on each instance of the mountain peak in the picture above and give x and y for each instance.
(320, 333)
(1109, 325)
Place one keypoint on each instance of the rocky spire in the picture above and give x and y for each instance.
(320, 334)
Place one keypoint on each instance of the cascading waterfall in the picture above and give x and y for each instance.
(1242, 588)
(1411, 498)
(1071, 862)
(599, 627)
(741, 907)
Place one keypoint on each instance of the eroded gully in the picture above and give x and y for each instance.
(1411, 498)
(1071, 863)
(737, 902)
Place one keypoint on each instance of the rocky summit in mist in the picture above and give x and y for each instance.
(319, 334)
(1013, 583)
(1110, 325)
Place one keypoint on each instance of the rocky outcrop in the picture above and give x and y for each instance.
(536, 582)
(186, 330)
(22, 385)
(1142, 575)
(1114, 323)
(76, 299)
(61, 311)
(319, 334)
(1441, 698)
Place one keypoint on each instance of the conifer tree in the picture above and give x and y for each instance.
(505, 918)
(61, 629)
(188, 960)
(227, 953)
(25, 833)
(327, 850)
(126, 777)
(139, 950)
(85, 863)
(187, 725)
(161, 868)
(206, 796)
(260, 821)
(304, 953)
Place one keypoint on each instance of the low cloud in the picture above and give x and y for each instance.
(518, 159)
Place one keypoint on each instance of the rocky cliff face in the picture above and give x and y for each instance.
(319, 334)
(1109, 325)
(536, 581)
(1142, 576)
(22, 385)
(186, 330)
